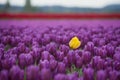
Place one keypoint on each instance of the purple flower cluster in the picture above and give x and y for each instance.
(28, 53)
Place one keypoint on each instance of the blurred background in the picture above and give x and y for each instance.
(59, 6)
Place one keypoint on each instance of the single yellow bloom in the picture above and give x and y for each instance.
(74, 43)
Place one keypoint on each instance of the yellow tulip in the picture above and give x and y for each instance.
(74, 43)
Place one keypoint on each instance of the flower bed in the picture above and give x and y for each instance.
(43, 53)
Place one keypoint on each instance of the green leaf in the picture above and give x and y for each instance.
(7, 47)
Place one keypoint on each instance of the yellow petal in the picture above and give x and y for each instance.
(74, 43)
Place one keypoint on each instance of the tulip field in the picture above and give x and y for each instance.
(60, 49)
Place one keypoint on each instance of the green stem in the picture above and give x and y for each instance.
(25, 74)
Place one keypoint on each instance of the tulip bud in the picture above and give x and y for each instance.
(16, 73)
(89, 46)
(45, 55)
(86, 56)
(100, 64)
(59, 39)
(51, 48)
(45, 74)
(32, 73)
(25, 60)
(36, 53)
(88, 74)
(116, 65)
(61, 67)
(72, 76)
(116, 57)
(4, 75)
(44, 64)
(53, 64)
(7, 63)
(71, 57)
(79, 62)
(101, 52)
(60, 55)
(46, 39)
(60, 77)
(101, 75)
(64, 48)
(113, 75)
(65, 60)
(110, 51)
(21, 47)
(74, 43)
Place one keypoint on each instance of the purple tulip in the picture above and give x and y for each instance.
(116, 65)
(101, 52)
(110, 51)
(113, 75)
(44, 64)
(53, 64)
(51, 48)
(16, 73)
(65, 60)
(108, 62)
(4, 75)
(61, 67)
(1, 53)
(102, 42)
(65, 39)
(45, 74)
(52, 57)
(32, 73)
(95, 61)
(86, 56)
(88, 74)
(81, 78)
(71, 57)
(79, 61)
(13, 41)
(25, 60)
(8, 62)
(116, 57)
(59, 39)
(15, 51)
(34, 43)
(117, 49)
(60, 55)
(95, 41)
(73, 76)
(79, 52)
(101, 75)
(45, 55)
(1, 46)
(6, 39)
(36, 53)
(100, 64)
(46, 39)
(64, 48)
(21, 47)
(89, 46)
(27, 39)
(60, 77)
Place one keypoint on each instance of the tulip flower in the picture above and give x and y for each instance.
(60, 77)
(4, 75)
(101, 75)
(16, 73)
(45, 74)
(74, 43)
(32, 73)
(88, 74)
